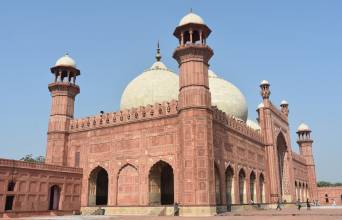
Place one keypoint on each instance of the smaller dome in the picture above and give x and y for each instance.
(191, 18)
(261, 105)
(303, 127)
(264, 82)
(284, 102)
(253, 125)
(66, 60)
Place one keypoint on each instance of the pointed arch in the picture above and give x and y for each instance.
(281, 153)
(217, 184)
(128, 189)
(98, 187)
(252, 186)
(229, 173)
(161, 184)
(242, 186)
(262, 194)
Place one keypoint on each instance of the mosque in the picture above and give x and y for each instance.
(180, 138)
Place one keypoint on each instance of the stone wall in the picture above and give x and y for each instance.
(126, 144)
(327, 195)
(240, 148)
(29, 185)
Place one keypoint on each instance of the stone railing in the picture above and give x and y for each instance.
(298, 158)
(141, 113)
(38, 166)
(236, 125)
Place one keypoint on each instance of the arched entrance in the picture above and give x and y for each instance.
(262, 188)
(229, 185)
(281, 151)
(217, 185)
(242, 187)
(252, 188)
(54, 193)
(161, 184)
(98, 187)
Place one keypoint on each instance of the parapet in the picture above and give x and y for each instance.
(141, 113)
(38, 166)
(237, 125)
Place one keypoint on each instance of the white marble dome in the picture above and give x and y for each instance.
(66, 60)
(159, 84)
(227, 97)
(303, 127)
(156, 84)
(191, 18)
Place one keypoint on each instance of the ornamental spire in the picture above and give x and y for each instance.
(158, 55)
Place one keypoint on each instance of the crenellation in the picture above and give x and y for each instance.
(158, 110)
(237, 125)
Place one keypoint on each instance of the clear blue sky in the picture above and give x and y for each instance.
(296, 45)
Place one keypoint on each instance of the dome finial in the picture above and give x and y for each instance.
(190, 10)
(158, 55)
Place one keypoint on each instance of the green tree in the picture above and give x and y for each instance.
(30, 158)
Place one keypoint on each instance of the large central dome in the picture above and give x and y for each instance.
(159, 84)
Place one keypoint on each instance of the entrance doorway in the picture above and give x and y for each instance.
(161, 184)
(98, 187)
(54, 197)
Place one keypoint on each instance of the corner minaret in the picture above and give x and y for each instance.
(193, 55)
(63, 92)
(305, 148)
(197, 185)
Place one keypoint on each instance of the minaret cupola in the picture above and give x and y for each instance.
(65, 68)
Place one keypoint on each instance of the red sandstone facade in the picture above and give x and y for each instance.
(29, 188)
(328, 195)
(185, 151)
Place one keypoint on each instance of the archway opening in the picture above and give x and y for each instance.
(262, 188)
(161, 184)
(252, 188)
(281, 151)
(217, 185)
(55, 192)
(242, 186)
(98, 187)
(229, 185)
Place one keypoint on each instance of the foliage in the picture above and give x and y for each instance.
(327, 184)
(30, 158)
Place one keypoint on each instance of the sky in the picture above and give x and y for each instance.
(295, 45)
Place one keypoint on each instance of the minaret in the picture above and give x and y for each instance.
(266, 124)
(284, 107)
(63, 91)
(305, 148)
(197, 182)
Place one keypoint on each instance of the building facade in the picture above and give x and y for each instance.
(182, 139)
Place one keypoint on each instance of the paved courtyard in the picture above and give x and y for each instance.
(287, 214)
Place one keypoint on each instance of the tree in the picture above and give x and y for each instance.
(327, 184)
(30, 158)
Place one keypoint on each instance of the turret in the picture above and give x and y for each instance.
(192, 55)
(305, 148)
(195, 114)
(284, 107)
(63, 92)
(265, 90)
(305, 142)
